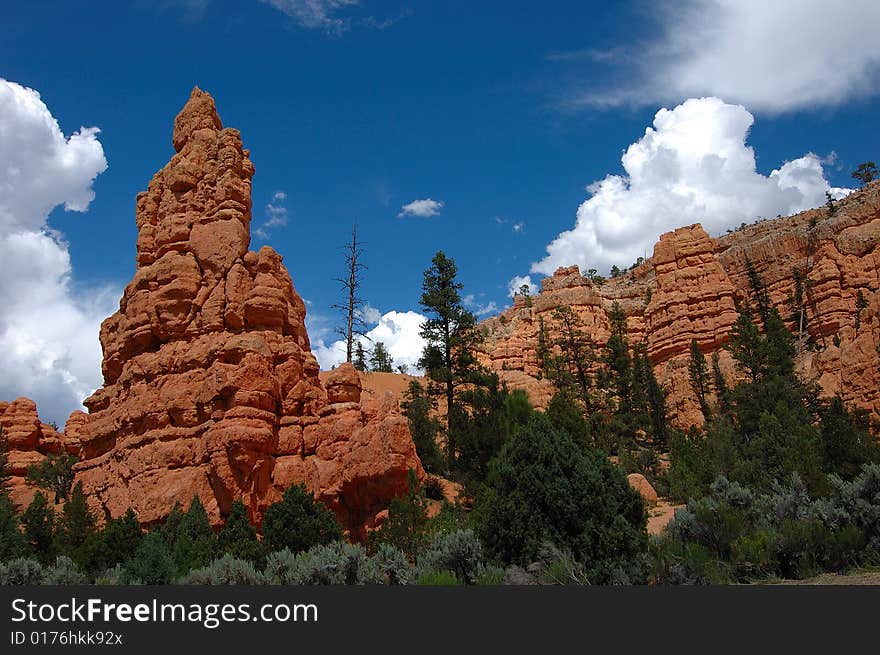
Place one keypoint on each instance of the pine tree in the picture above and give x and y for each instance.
(866, 172)
(116, 543)
(238, 536)
(12, 541)
(298, 522)
(194, 544)
(542, 351)
(450, 337)
(618, 359)
(543, 488)
(698, 373)
(360, 357)
(152, 562)
(746, 345)
(76, 527)
(38, 522)
(759, 291)
(407, 525)
(571, 369)
(720, 383)
(380, 359)
(54, 473)
(424, 428)
(656, 404)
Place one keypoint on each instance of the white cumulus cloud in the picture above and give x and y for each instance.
(775, 56)
(692, 166)
(276, 215)
(399, 331)
(518, 281)
(422, 208)
(48, 328)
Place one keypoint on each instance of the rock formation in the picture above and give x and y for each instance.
(29, 441)
(688, 289)
(210, 387)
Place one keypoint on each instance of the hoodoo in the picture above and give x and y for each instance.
(210, 387)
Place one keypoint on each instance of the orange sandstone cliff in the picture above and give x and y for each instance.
(29, 441)
(210, 387)
(688, 288)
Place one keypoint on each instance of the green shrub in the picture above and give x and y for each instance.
(437, 579)
(491, 576)
(543, 487)
(459, 552)
(21, 571)
(387, 566)
(151, 563)
(299, 522)
(64, 572)
(226, 570)
(283, 567)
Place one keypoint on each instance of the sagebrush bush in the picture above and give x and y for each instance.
(226, 570)
(21, 571)
(387, 566)
(459, 552)
(64, 572)
(283, 567)
(734, 534)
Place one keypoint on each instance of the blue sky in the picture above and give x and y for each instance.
(503, 112)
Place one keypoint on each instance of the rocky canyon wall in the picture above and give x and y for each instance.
(688, 288)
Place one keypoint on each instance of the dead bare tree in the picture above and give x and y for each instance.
(352, 308)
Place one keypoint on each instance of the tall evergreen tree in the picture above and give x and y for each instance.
(423, 426)
(194, 543)
(298, 522)
(577, 358)
(722, 391)
(698, 373)
(618, 359)
(450, 336)
(360, 357)
(76, 528)
(38, 523)
(380, 359)
(238, 536)
(116, 543)
(54, 473)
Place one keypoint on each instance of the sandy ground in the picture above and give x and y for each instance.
(859, 578)
(660, 516)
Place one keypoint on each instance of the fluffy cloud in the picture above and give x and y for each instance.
(478, 308)
(48, 330)
(422, 208)
(692, 166)
(276, 215)
(399, 331)
(517, 282)
(774, 56)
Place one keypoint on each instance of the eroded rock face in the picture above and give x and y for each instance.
(29, 441)
(210, 387)
(688, 289)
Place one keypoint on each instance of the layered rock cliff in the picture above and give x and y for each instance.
(688, 288)
(210, 387)
(29, 441)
